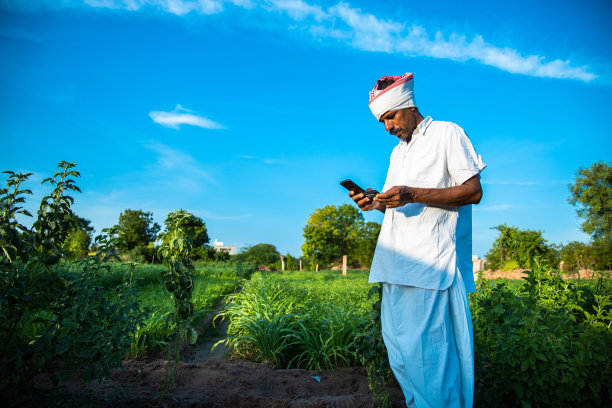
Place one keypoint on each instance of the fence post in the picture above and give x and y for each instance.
(282, 263)
(343, 265)
(300, 265)
(317, 268)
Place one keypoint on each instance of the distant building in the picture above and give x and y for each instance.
(219, 247)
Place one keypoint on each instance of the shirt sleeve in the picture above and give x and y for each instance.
(462, 161)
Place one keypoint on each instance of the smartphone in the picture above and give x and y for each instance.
(351, 186)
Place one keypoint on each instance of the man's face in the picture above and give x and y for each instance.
(400, 123)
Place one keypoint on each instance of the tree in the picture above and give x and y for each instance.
(367, 243)
(291, 263)
(208, 254)
(194, 227)
(516, 248)
(260, 254)
(77, 243)
(577, 255)
(591, 194)
(78, 240)
(136, 228)
(602, 251)
(332, 231)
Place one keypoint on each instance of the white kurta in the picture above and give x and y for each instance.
(423, 257)
(421, 245)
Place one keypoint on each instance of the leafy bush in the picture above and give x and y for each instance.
(258, 255)
(545, 343)
(516, 247)
(511, 265)
(372, 352)
(141, 254)
(60, 322)
(55, 318)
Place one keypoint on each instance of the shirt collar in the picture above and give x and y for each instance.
(422, 127)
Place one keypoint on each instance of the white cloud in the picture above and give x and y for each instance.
(181, 116)
(177, 7)
(345, 23)
(297, 9)
(370, 33)
(177, 166)
(274, 161)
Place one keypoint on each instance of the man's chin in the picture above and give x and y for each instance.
(402, 136)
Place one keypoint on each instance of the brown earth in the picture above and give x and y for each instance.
(206, 380)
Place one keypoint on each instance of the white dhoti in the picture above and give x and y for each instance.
(428, 334)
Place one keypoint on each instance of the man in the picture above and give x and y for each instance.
(423, 255)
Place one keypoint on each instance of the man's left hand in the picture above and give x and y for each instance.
(397, 196)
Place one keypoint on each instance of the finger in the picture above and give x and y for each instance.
(390, 203)
(383, 198)
(363, 202)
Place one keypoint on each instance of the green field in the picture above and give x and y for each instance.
(299, 319)
(210, 286)
(544, 341)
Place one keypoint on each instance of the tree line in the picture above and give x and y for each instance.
(136, 234)
(334, 231)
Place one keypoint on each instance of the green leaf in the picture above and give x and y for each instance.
(192, 335)
(63, 347)
(524, 365)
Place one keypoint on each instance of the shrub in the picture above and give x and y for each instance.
(55, 318)
(542, 344)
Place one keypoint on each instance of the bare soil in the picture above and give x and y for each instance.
(218, 380)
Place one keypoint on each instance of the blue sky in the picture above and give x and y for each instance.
(248, 113)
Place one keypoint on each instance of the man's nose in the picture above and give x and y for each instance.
(388, 125)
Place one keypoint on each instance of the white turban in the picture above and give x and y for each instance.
(398, 95)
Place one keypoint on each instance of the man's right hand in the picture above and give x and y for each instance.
(364, 203)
